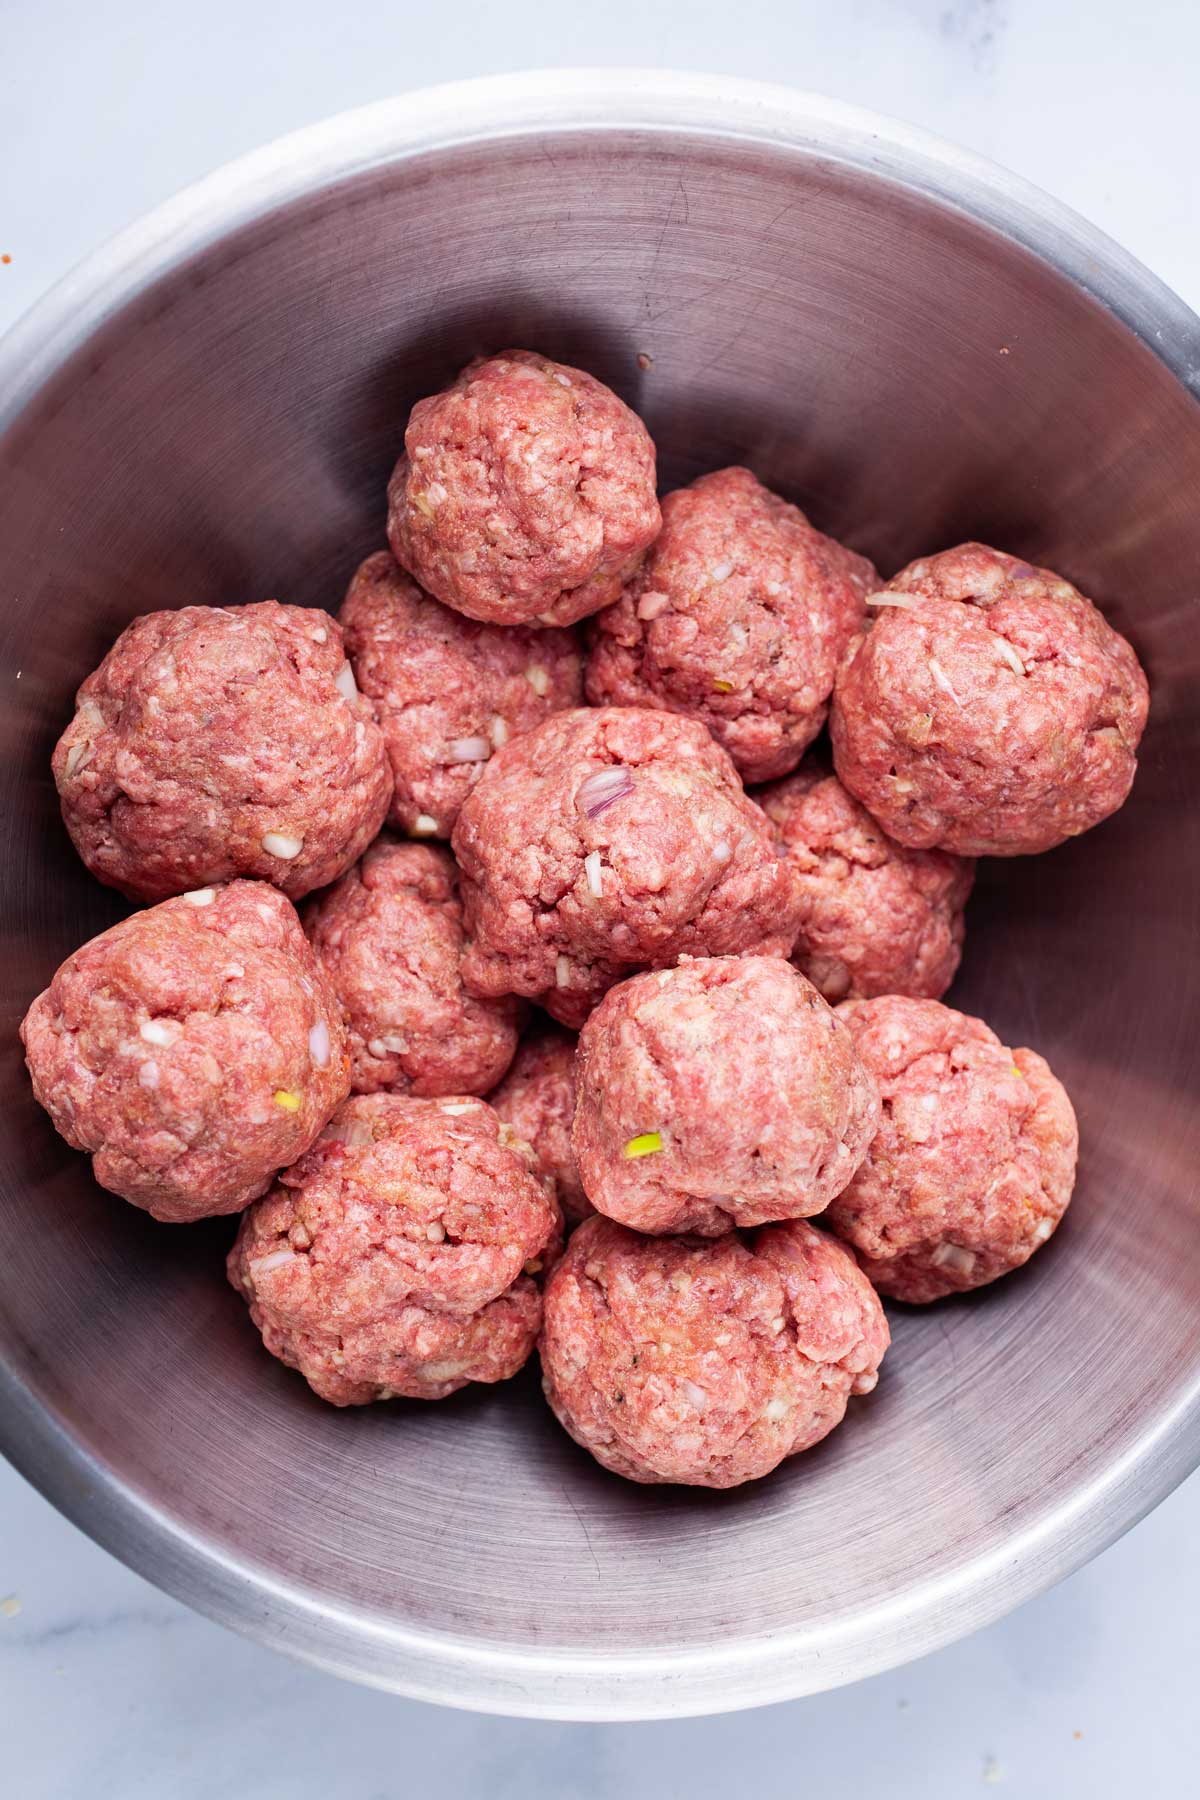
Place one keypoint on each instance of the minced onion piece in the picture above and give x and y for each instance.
(155, 1033)
(78, 757)
(652, 604)
(200, 896)
(425, 825)
(318, 1044)
(562, 971)
(345, 683)
(601, 789)
(882, 599)
(954, 1256)
(148, 1074)
(942, 680)
(593, 869)
(646, 1143)
(721, 852)
(1011, 657)
(498, 731)
(1043, 1230)
(468, 750)
(319, 636)
(355, 1133)
(721, 571)
(435, 1232)
(538, 679)
(281, 844)
(274, 1260)
(454, 1107)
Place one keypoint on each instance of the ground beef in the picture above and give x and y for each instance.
(642, 806)
(989, 709)
(389, 937)
(974, 1161)
(875, 918)
(221, 741)
(737, 617)
(397, 1257)
(526, 492)
(537, 1098)
(447, 691)
(722, 1092)
(193, 1050)
(706, 1361)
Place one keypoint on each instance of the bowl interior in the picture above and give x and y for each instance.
(912, 377)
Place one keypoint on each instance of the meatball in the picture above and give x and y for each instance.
(875, 918)
(221, 741)
(389, 938)
(737, 617)
(722, 1092)
(526, 492)
(706, 1361)
(447, 691)
(607, 840)
(537, 1098)
(989, 710)
(974, 1161)
(397, 1257)
(193, 1050)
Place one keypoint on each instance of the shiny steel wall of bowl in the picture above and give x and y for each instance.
(918, 349)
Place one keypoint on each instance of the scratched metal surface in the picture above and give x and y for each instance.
(903, 341)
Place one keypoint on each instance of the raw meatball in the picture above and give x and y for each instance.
(722, 1092)
(389, 937)
(221, 741)
(875, 918)
(193, 1050)
(390, 1259)
(989, 709)
(537, 1098)
(526, 492)
(606, 840)
(706, 1361)
(447, 691)
(974, 1161)
(737, 617)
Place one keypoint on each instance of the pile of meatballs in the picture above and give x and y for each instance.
(602, 987)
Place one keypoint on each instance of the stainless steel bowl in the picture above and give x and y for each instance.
(919, 349)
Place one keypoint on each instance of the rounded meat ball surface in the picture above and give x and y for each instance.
(723, 1092)
(989, 710)
(537, 1098)
(389, 938)
(610, 839)
(737, 616)
(396, 1257)
(707, 1361)
(875, 918)
(446, 690)
(974, 1161)
(526, 492)
(193, 1050)
(216, 742)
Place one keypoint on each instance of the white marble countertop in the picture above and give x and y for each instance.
(110, 1691)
